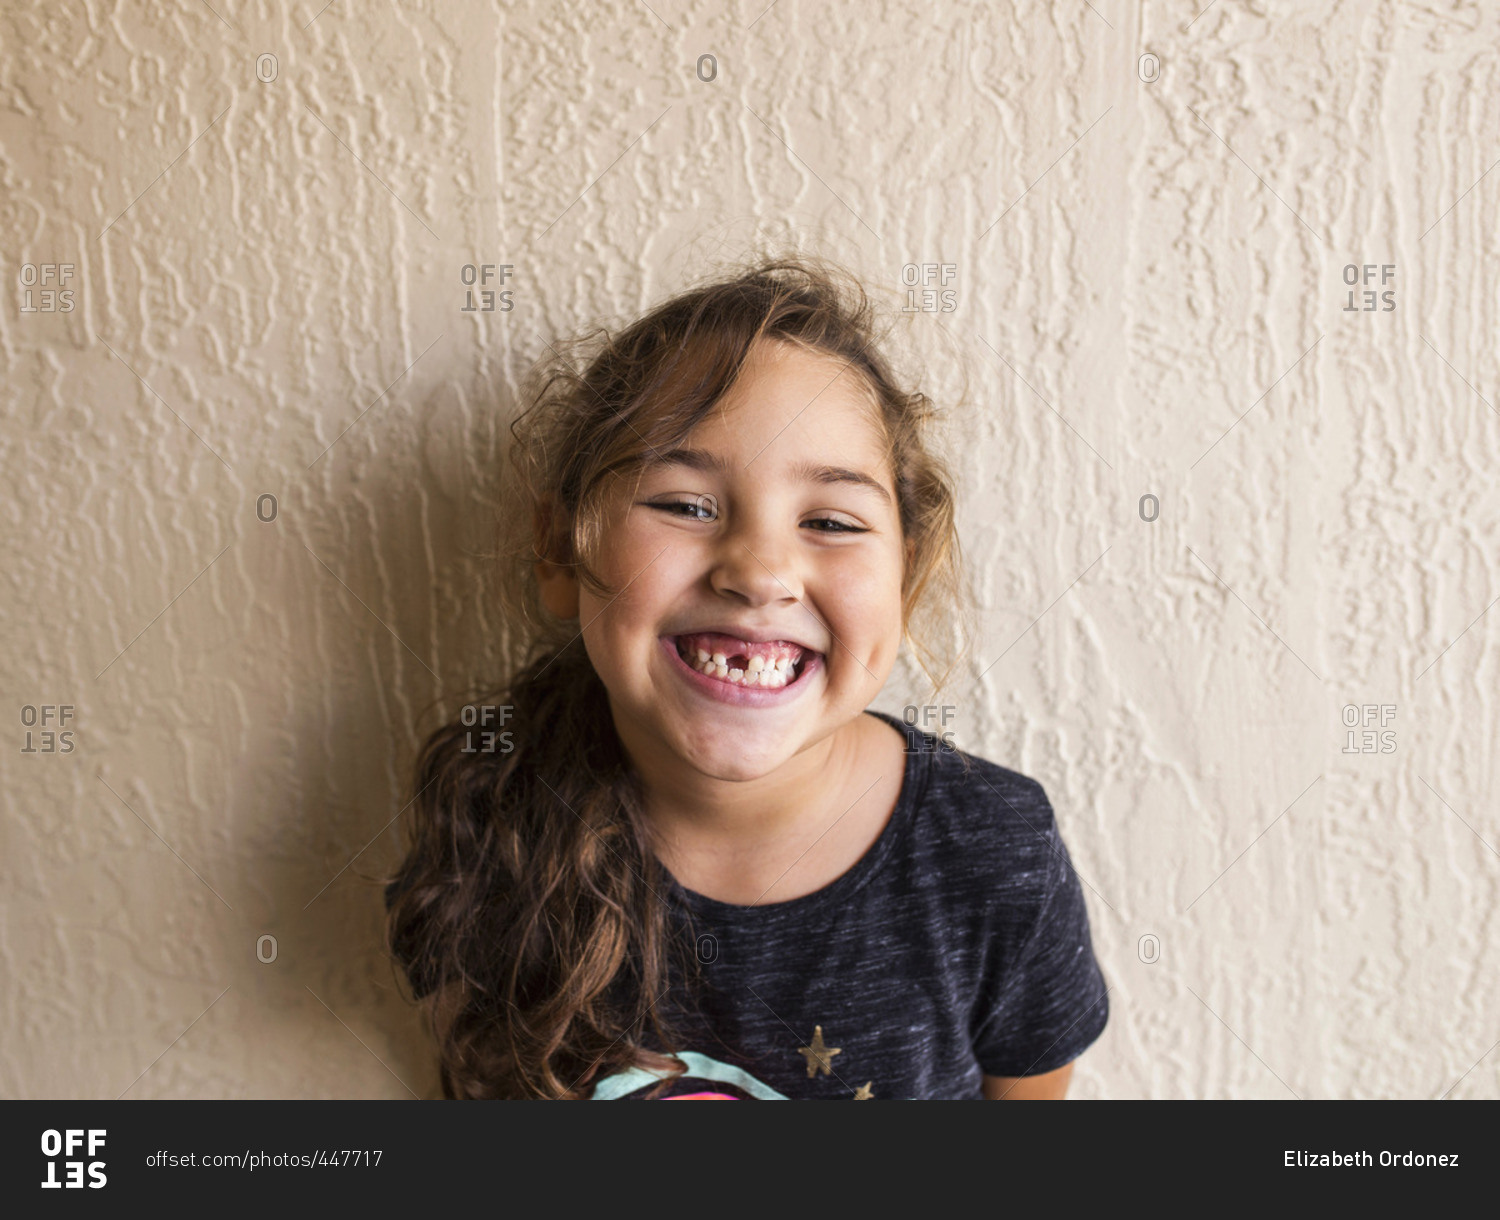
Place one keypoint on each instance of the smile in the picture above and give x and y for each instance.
(773, 664)
(751, 671)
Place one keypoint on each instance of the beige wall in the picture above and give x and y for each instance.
(280, 262)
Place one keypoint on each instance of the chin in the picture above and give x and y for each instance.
(736, 758)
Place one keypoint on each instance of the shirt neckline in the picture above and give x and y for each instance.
(913, 782)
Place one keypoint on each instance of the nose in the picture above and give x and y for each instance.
(755, 565)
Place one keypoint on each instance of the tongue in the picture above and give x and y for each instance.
(738, 653)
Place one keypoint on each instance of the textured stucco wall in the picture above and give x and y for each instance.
(267, 299)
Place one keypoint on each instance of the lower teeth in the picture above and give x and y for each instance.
(771, 677)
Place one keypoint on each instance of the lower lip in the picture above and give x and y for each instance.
(742, 696)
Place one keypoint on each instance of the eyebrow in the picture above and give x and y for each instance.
(808, 472)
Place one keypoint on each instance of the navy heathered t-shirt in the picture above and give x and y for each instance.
(956, 947)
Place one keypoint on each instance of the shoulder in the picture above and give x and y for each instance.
(976, 819)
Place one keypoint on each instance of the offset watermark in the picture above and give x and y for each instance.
(707, 948)
(1373, 294)
(933, 719)
(707, 68)
(1149, 507)
(484, 290)
(46, 730)
(266, 949)
(44, 287)
(1148, 949)
(1148, 68)
(72, 1143)
(927, 288)
(482, 738)
(1365, 728)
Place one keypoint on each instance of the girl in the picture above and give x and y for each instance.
(697, 866)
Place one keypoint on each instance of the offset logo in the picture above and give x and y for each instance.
(1368, 301)
(932, 719)
(481, 275)
(55, 1143)
(932, 278)
(1368, 742)
(54, 740)
(37, 296)
(484, 715)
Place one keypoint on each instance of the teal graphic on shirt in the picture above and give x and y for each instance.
(699, 1067)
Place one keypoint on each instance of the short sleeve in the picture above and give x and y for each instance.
(1049, 1004)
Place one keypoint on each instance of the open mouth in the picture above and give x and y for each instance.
(768, 665)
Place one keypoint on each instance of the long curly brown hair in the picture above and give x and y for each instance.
(526, 910)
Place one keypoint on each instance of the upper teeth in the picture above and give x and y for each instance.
(760, 673)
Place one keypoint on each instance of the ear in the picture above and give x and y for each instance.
(559, 589)
(557, 583)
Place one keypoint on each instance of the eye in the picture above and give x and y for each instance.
(690, 508)
(834, 525)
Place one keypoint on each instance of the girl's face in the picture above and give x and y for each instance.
(758, 574)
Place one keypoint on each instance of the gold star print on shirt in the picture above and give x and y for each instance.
(819, 1054)
(863, 1093)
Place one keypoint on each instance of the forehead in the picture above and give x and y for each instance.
(790, 401)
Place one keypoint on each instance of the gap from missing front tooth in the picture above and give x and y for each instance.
(739, 668)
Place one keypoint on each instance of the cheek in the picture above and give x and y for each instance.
(627, 558)
(614, 634)
(645, 583)
(866, 597)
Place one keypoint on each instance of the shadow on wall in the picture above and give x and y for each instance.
(389, 578)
